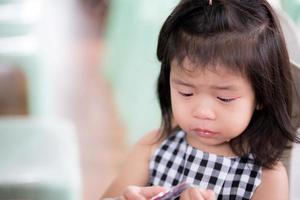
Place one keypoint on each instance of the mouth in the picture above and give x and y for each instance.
(204, 133)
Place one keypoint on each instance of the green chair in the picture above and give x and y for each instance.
(39, 160)
(20, 46)
(18, 17)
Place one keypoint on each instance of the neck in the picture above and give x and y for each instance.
(222, 149)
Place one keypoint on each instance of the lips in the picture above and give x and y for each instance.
(204, 132)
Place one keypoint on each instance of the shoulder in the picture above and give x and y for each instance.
(143, 149)
(135, 168)
(148, 143)
(274, 184)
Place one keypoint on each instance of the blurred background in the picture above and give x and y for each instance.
(91, 63)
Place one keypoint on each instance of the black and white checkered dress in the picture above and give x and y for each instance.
(230, 177)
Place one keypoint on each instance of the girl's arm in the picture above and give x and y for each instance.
(135, 168)
(274, 184)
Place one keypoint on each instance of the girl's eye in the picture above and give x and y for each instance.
(186, 94)
(226, 100)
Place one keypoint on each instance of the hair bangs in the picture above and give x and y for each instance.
(231, 50)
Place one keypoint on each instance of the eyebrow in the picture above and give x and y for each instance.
(225, 87)
(215, 87)
(180, 82)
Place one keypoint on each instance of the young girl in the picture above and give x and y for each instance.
(225, 94)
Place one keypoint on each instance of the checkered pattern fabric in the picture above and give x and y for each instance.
(234, 178)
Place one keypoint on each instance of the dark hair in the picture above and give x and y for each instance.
(245, 36)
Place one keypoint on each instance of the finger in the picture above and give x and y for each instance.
(185, 195)
(191, 194)
(195, 194)
(133, 193)
(208, 194)
(151, 191)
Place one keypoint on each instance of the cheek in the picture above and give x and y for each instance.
(179, 108)
(239, 119)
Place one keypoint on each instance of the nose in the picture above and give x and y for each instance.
(204, 111)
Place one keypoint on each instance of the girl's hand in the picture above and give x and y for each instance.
(197, 194)
(141, 193)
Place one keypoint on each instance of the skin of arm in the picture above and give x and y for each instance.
(136, 167)
(274, 184)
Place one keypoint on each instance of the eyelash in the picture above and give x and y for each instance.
(186, 94)
(225, 100)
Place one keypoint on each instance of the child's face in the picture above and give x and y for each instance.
(212, 106)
